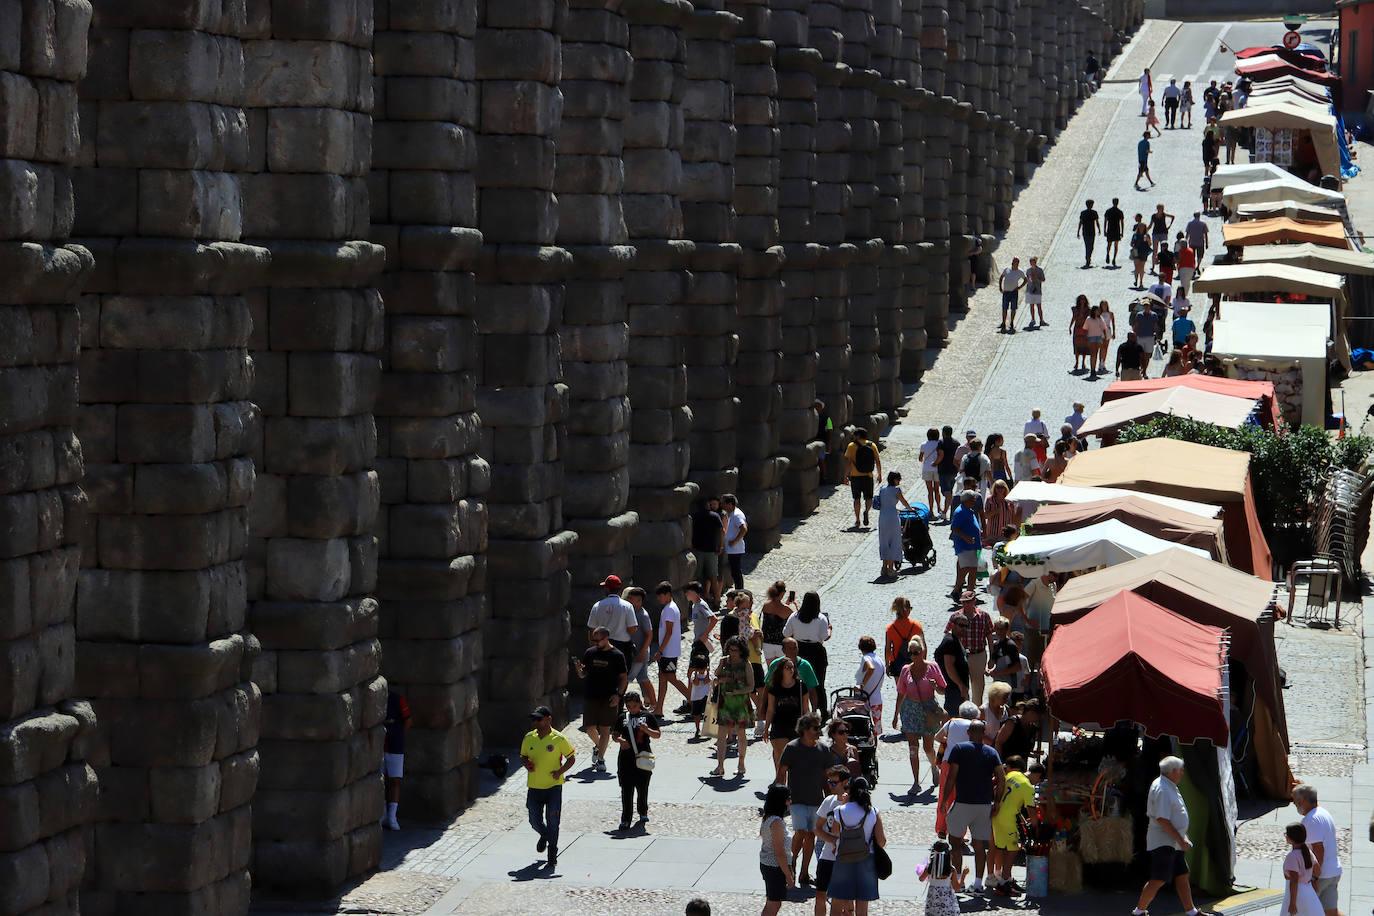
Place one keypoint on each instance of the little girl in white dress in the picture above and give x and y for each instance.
(939, 873)
(1299, 898)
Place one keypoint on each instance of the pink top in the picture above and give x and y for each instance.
(1293, 863)
(911, 688)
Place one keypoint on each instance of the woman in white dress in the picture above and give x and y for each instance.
(1300, 898)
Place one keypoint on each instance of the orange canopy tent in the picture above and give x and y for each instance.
(1284, 229)
(1185, 470)
(1259, 391)
(1133, 660)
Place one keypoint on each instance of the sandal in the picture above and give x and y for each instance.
(739, 774)
(718, 771)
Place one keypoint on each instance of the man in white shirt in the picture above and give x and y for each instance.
(1146, 90)
(1025, 464)
(1010, 283)
(669, 647)
(1166, 838)
(1321, 836)
(1036, 427)
(736, 527)
(618, 616)
(1172, 95)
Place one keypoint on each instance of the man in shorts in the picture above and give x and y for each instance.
(1010, 283)
(948, 468)
(708, 543)
(802, 767)
(1114, 225)
(1144, 323)
(1166, 839)
(1035, 293)
(1019, 795)
(1321, 838)
(862, 464)
(1142, 152)
(645, 643)
(394, 754)
(966, 533)
(605, 676)
(978, 777)
(669, 649)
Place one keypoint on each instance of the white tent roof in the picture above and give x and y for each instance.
(1243, 172)
(1204, 406)
(1104, 544)
(1288, 112)
(1265, 340)
(1267, 277)
(1290, 187)
(1290, 208)
(1032, 493)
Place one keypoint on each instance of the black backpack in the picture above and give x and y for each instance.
(973, 466)
(865, 457)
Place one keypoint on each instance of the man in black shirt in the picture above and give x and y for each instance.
(605, 676)
(708, 543)
(948, 467)
(953, 662)
(1087, 231)
(1128, 359)
(1115, 226)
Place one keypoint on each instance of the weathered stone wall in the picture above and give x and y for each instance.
(402, 325)
(317, 331)
(168, 430)
(432, 523)
(47, 787)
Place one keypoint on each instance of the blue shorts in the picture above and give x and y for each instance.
(1009, 300)
(804, 817)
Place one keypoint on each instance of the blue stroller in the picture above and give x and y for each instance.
(917, 546)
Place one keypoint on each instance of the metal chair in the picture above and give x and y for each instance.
(1325, 580)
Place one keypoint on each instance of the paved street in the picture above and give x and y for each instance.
(702, 836)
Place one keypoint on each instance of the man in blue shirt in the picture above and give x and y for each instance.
(966, 531)
(978, 777)
(1183, 326)
(1142, 150)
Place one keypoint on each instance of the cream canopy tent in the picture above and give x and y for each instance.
(1291, 116)
(1290, 187)
(1033, 493)
(1290, 208)
(1296, 315)
(1104, 544)
(1277, 337)
(1265, 277)
(1313, 257)
(1204, 406)
(1243, 172)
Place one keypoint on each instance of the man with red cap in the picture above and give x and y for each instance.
(617, 615)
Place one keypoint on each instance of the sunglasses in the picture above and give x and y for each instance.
(835, 782)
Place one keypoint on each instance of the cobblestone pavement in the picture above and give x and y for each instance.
(702, 836)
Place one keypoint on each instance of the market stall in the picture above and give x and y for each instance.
(1279, 131)
(1243, 172)
(1287, 345)
(1030, 494)
(1185, 470)
(1216, 595)
(1129, 668)
(1290, 208)
(1163, 522)
(1282, 230)
(1092, 547)
(1259, 391)
(1290, 187)
(1222, 410)
(1322, 258)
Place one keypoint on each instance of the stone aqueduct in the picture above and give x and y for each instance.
(346, 342)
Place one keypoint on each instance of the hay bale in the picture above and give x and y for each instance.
(1066, 872)
(1105, 840)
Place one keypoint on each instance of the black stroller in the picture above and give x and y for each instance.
(917, 547)
(850, 706)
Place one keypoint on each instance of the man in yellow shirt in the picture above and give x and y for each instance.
(1018, 795)
(861, 465)
(547, 756)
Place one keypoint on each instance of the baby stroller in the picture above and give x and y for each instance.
(916, 544)
(850, 706)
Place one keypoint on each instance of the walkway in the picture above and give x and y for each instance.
(702, 838)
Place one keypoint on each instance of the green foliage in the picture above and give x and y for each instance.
(1287, 470)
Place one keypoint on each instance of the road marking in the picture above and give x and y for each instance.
(1216, 47)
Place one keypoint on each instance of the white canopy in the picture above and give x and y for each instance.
(1243, 172)
(1271, 336)
(1195, 404)
(1031, 494)
(1313, 257)
(1291, 114)
(1290, 187)
(1290, 208)
(1104, 544)
(1269, 277)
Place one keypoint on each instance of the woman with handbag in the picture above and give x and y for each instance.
(856, 830)
(920, 712)
(900, 632)
(635, 732)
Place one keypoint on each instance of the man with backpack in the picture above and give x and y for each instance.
(863, 464)
(977, 467)
(947, 468)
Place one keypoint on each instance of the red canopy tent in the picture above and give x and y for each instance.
(1269, 67)
(1305, 59)
(1260, 391)
(1130, 659)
